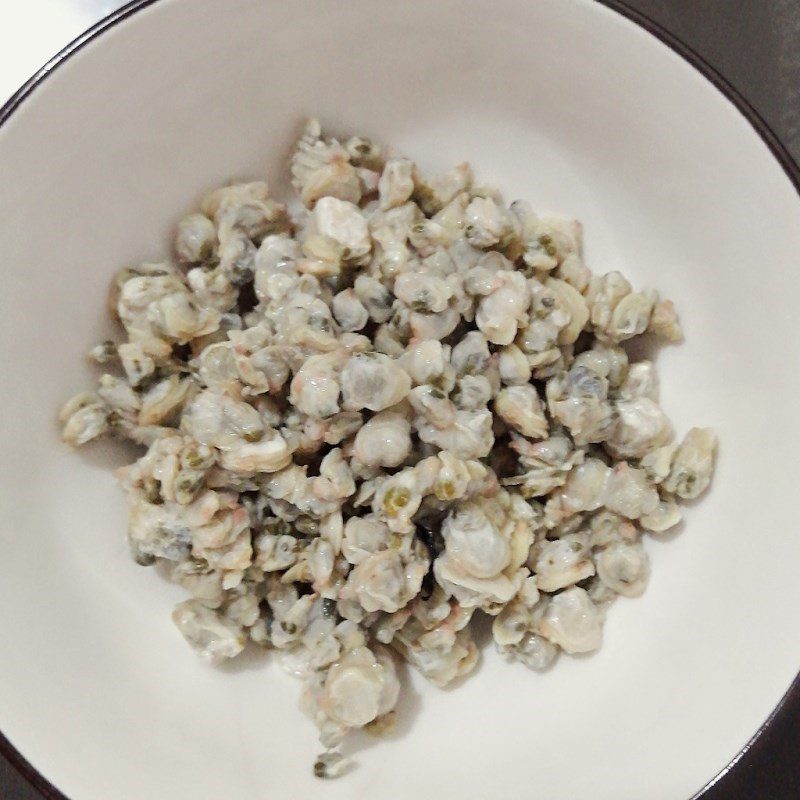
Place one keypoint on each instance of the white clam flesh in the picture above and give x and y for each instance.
(376, 408)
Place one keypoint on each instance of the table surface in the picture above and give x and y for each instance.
(755, 44)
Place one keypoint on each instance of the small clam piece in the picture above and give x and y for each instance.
(275, 552)
(363, 537)
(369, 180)
(161, 306)
(216, 366)
(469, 436)
(345, 224)
(607, 527)
(514, 367)
(315, 388)
(104, 353)
(118, 395)
(624, 568)
(501, 312)
(522, 408)
(322, 168)
(605, 292)
(340, 426)
(349, 311)
(640, 381)
(275, 267)
(216, 420)
(572, 621)
(212, 288)
(563, 562)
(243, 207)
(474, 543)
(574, 272)
(471, 355)
(434, 194)
(396, 184)
(664, 516)
(391, 256)
(548, 317)
(384, 440)
(433, 326)
(164, 400)
(453, 478)
(331, 529)
(436, 639)
(526, 217)
(511, 624)
(195, 239)
(485, 550)
(472, 392)
(641, 427)
(664, 322)
(488, 223)
(84, 417)
(578, 400)
(375, 297)
(383, 582)
(535, 652)
(213, 636)
(237, 255)
(692, 464)
(546, 464)
(573, 303)
(481, 280)
(549, 241)
(629, 493)
(265, 370)
(335, 481)
(427, 362)
(360, 687)
(450, 221)
(611, 362)
(397, 499)
(426, 237)
(433, 408)
(373, 381)
(364, 152)
(657, 463)
(631, 316)
(422, 292)
(330, 764)
(586, 488)
(320, 559)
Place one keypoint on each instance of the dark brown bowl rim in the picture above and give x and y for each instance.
(770, 138)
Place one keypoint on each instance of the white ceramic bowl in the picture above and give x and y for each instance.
(564, 102)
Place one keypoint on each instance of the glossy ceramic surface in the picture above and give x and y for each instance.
(565, 103)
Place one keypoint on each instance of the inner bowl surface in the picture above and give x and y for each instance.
(563, 102)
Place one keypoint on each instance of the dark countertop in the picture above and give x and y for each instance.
(755, 44)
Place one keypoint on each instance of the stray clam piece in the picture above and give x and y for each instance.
(377, 410)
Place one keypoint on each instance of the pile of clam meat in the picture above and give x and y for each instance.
(379, 411)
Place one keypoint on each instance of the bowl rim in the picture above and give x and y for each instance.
(789, 165)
